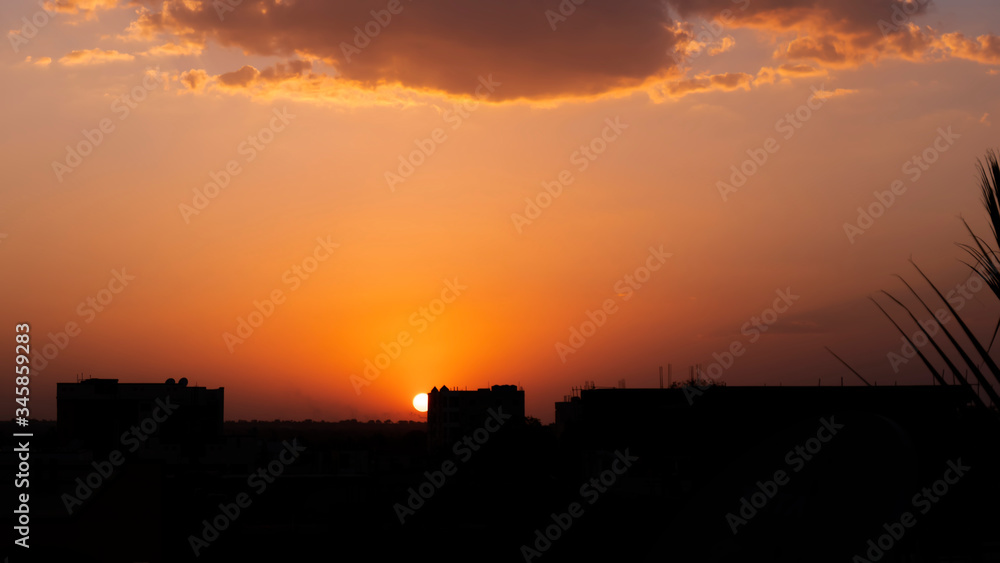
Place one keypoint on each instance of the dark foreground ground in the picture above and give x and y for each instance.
(779, 476)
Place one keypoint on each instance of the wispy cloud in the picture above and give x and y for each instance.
(93, 57)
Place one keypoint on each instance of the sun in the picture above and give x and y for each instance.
(420, 402)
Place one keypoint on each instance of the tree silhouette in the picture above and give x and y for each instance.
(984, 255)
(986, 264)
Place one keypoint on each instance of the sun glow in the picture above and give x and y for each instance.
(420, 402)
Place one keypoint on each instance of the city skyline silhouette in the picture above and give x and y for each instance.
(519, 280)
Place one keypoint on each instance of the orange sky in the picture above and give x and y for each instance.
(367, 172)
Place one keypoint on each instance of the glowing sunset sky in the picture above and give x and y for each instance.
(378, 177)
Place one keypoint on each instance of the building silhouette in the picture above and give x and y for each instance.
(103, 415)
(853, 458)
(452, 414)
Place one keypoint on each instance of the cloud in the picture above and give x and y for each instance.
(766, 75)
(93, 56)
(848, 33)
(799, 70)
(769, 75)
(194, 79)
(983, 49)
(689, 44)
(857, 18)
(173, 50)
(87, 7)
(295, 79)
(826, 94)
(721, 46)
(443, 45)
(247, 77)
(909, 42)
(826, 49)
(285, 71)
(595, 48)
(243, 77)
(708, 82)
(40, 61)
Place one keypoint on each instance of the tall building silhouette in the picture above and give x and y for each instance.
(452, 414)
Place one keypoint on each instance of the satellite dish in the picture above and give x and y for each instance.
(183, 382)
